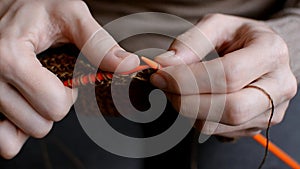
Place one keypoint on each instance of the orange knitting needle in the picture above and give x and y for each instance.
(137, 69)
(277, 151)
(151, 63)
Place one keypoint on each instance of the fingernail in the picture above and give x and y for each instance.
(122, 54)
(166, 55)
(167, 58)
(158, 81)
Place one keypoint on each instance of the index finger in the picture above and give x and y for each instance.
(41, 88)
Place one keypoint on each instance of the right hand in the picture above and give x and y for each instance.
(252, 54)
(31, 97)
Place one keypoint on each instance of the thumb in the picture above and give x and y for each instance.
(189, 47)
(212, 32)
(97, 45)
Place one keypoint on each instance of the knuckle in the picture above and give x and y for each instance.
(183, 39)
(288, 86)
(11, 66)
(252, 132)
(10, 145)
(232, 77)
(29, 6)
(71, 11)
(42, 130)
(214, 16)
(6, 64)
(292, 88)
(235, 111)
(59, 107)
(279, 114)
(77, 7)
(176, 103)
(176, 80)
(187, 107)
(184, 111)
(231, 83)
(10, 150)
(280, 49)
(278, 119)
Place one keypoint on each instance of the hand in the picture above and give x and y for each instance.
(31, 97)
(251, 53)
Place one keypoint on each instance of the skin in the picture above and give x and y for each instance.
(251, 53)
(31, 97)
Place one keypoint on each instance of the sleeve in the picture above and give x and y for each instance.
(287, 25)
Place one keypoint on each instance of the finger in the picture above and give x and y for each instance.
(41, 88)
(246, 129)
(233, 108)
(191, 46)
(209, 77)
(242, 133)
(11, 139)
(229, 73)
(248, 103)
(237, 68)
(4, 7)
(20, 112)
(211, 128)
(20, 67)
(210, 33)
(96, 43)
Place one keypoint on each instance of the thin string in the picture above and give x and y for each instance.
(269, 124)
(194, 150)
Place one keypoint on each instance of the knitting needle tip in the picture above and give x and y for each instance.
(151, 63)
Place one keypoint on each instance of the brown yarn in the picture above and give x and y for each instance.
(62, 64)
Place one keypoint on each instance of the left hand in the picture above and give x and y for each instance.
(251, 53)
(31, 97)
